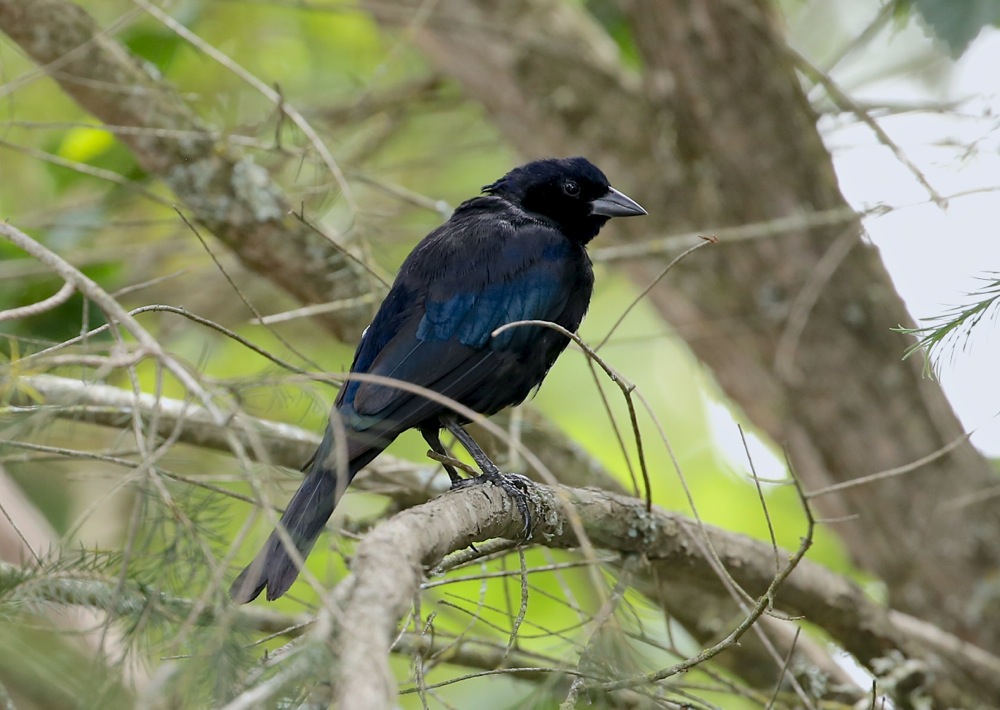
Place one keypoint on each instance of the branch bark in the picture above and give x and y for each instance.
(698, 609)
(387, 570)
(716, 132)
(554, 69)
(228, 193)
(675, 547)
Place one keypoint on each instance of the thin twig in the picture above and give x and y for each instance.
(603, 616)
(782, 226)
(842, 99)
(659, 277)
(627, 389)
(239, 292)
(763, 605)
(784, 669)
(890, 473)
(54, 301)
(806, 299)
(274, 96)
(523, 609)
(760, 497)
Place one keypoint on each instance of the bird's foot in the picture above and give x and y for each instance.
(513, 484)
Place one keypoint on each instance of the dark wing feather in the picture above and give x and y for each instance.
(446, 343)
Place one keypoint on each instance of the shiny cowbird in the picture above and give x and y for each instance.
(516, 253)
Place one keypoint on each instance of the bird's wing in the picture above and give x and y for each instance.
(446, 344)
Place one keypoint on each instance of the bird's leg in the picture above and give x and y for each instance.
(515, 486)
(433, 439)
(470, 445)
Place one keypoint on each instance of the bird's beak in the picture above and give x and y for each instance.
(616, 204)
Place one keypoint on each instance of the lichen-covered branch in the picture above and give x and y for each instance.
(228, 193)
(675, 546)
(409, 485)
(387, 570)
(712, 129)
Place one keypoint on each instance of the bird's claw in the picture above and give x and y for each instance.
(513, 484)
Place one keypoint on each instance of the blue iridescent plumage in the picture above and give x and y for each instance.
(517, 253)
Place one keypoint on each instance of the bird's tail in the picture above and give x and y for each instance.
(312, 505)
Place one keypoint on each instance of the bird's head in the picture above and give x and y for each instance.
(572, 192)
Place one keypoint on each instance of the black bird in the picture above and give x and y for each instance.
(516, 253)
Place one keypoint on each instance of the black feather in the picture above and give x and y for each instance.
(517, 253)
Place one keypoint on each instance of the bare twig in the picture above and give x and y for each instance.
(54, 301)
(781, 226)
(230, 194)
(842, 99)
(705, 241)
(892, 472)
(387, 568)
(798, 315)
(764, 604)
(626, 387)
(297, 118)
(603, 616)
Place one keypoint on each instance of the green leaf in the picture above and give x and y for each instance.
(956, 323)
(957, 22)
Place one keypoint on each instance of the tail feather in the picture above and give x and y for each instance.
(312, 505)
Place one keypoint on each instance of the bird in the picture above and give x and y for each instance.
(517, 252)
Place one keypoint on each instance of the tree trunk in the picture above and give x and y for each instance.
(716, 131)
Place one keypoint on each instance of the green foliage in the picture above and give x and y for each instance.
(955, 24)
(331, 62)
(953, 328)
(609, 14)
(37, 663)
(37, 660)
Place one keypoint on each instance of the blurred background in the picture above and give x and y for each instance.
(419, 105)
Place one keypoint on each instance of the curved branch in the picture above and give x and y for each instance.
(716, 132)
(696, 608)
(235, 198)
(387, 570)
(389, 564)
(54, 301)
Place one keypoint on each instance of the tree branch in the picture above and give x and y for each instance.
(717, 133)
(675, 545)
(696, 608)
(388, 565)
(229, 194)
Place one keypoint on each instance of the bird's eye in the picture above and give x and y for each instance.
(571, 188)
